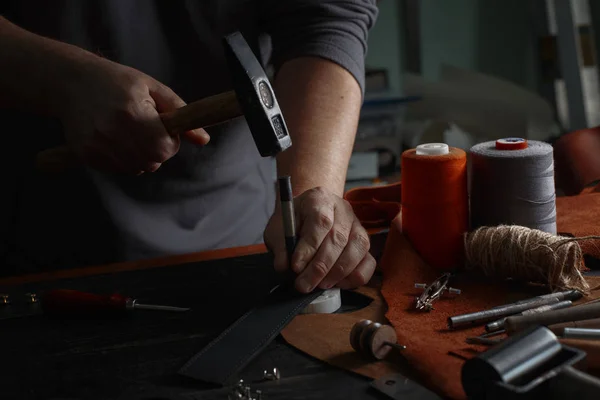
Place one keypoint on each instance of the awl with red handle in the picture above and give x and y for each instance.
(66, 302)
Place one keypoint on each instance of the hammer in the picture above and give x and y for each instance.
(252, 97)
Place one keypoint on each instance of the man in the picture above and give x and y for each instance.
(106, 69)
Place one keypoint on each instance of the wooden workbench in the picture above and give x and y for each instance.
(138, 357)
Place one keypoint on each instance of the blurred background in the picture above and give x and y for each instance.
(466, 71)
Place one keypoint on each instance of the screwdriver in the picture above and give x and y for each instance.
(66, 302)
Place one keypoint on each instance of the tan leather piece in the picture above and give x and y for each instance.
(327, 337)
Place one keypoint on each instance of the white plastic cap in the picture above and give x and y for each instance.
(433, 149)
(328, 302)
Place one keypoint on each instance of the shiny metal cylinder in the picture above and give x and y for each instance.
(581, 333)
(492, 314)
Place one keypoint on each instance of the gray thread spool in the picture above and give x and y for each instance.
(513, 187)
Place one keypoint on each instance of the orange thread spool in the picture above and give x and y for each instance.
(435, 207)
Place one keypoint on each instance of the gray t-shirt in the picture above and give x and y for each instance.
(217, 196)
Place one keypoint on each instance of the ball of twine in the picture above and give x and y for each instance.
(530, 255)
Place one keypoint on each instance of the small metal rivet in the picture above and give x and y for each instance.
(237, 391)
(272, 376)
(454, 290)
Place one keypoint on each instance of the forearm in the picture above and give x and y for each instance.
(321, 103)
(35, 71)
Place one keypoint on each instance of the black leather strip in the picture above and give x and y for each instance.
(222, 359)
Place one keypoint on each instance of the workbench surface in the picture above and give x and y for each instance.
(138, 357)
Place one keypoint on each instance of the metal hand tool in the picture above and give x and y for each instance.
(532, 364)
(570, 294)
(499, 324)
(286, 198)
(373, 339)
(576, 313)
(481, 317)
(581, 333)
(433, 291)
(65, 302)
(252, 96)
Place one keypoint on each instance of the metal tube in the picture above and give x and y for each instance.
(287, 209)
(581, 333)
(492, 314)
(512, 308)
(589, 310)
(558, 329)
(499, 324)
(570, 294)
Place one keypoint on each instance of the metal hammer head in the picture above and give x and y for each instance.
(256, 97)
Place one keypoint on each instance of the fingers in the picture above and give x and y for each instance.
(318, 223)
(140, 141)
(329, 250)
(332, 249)
(152, 138)
(355, 251)
(167, 100)
(197, 136)
(360, 275)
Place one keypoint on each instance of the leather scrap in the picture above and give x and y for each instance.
(375, 206)
(327, 337)
(580, 216)
(577, 161)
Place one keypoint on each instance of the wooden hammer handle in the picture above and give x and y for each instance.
(202, 113)
(199, 114)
